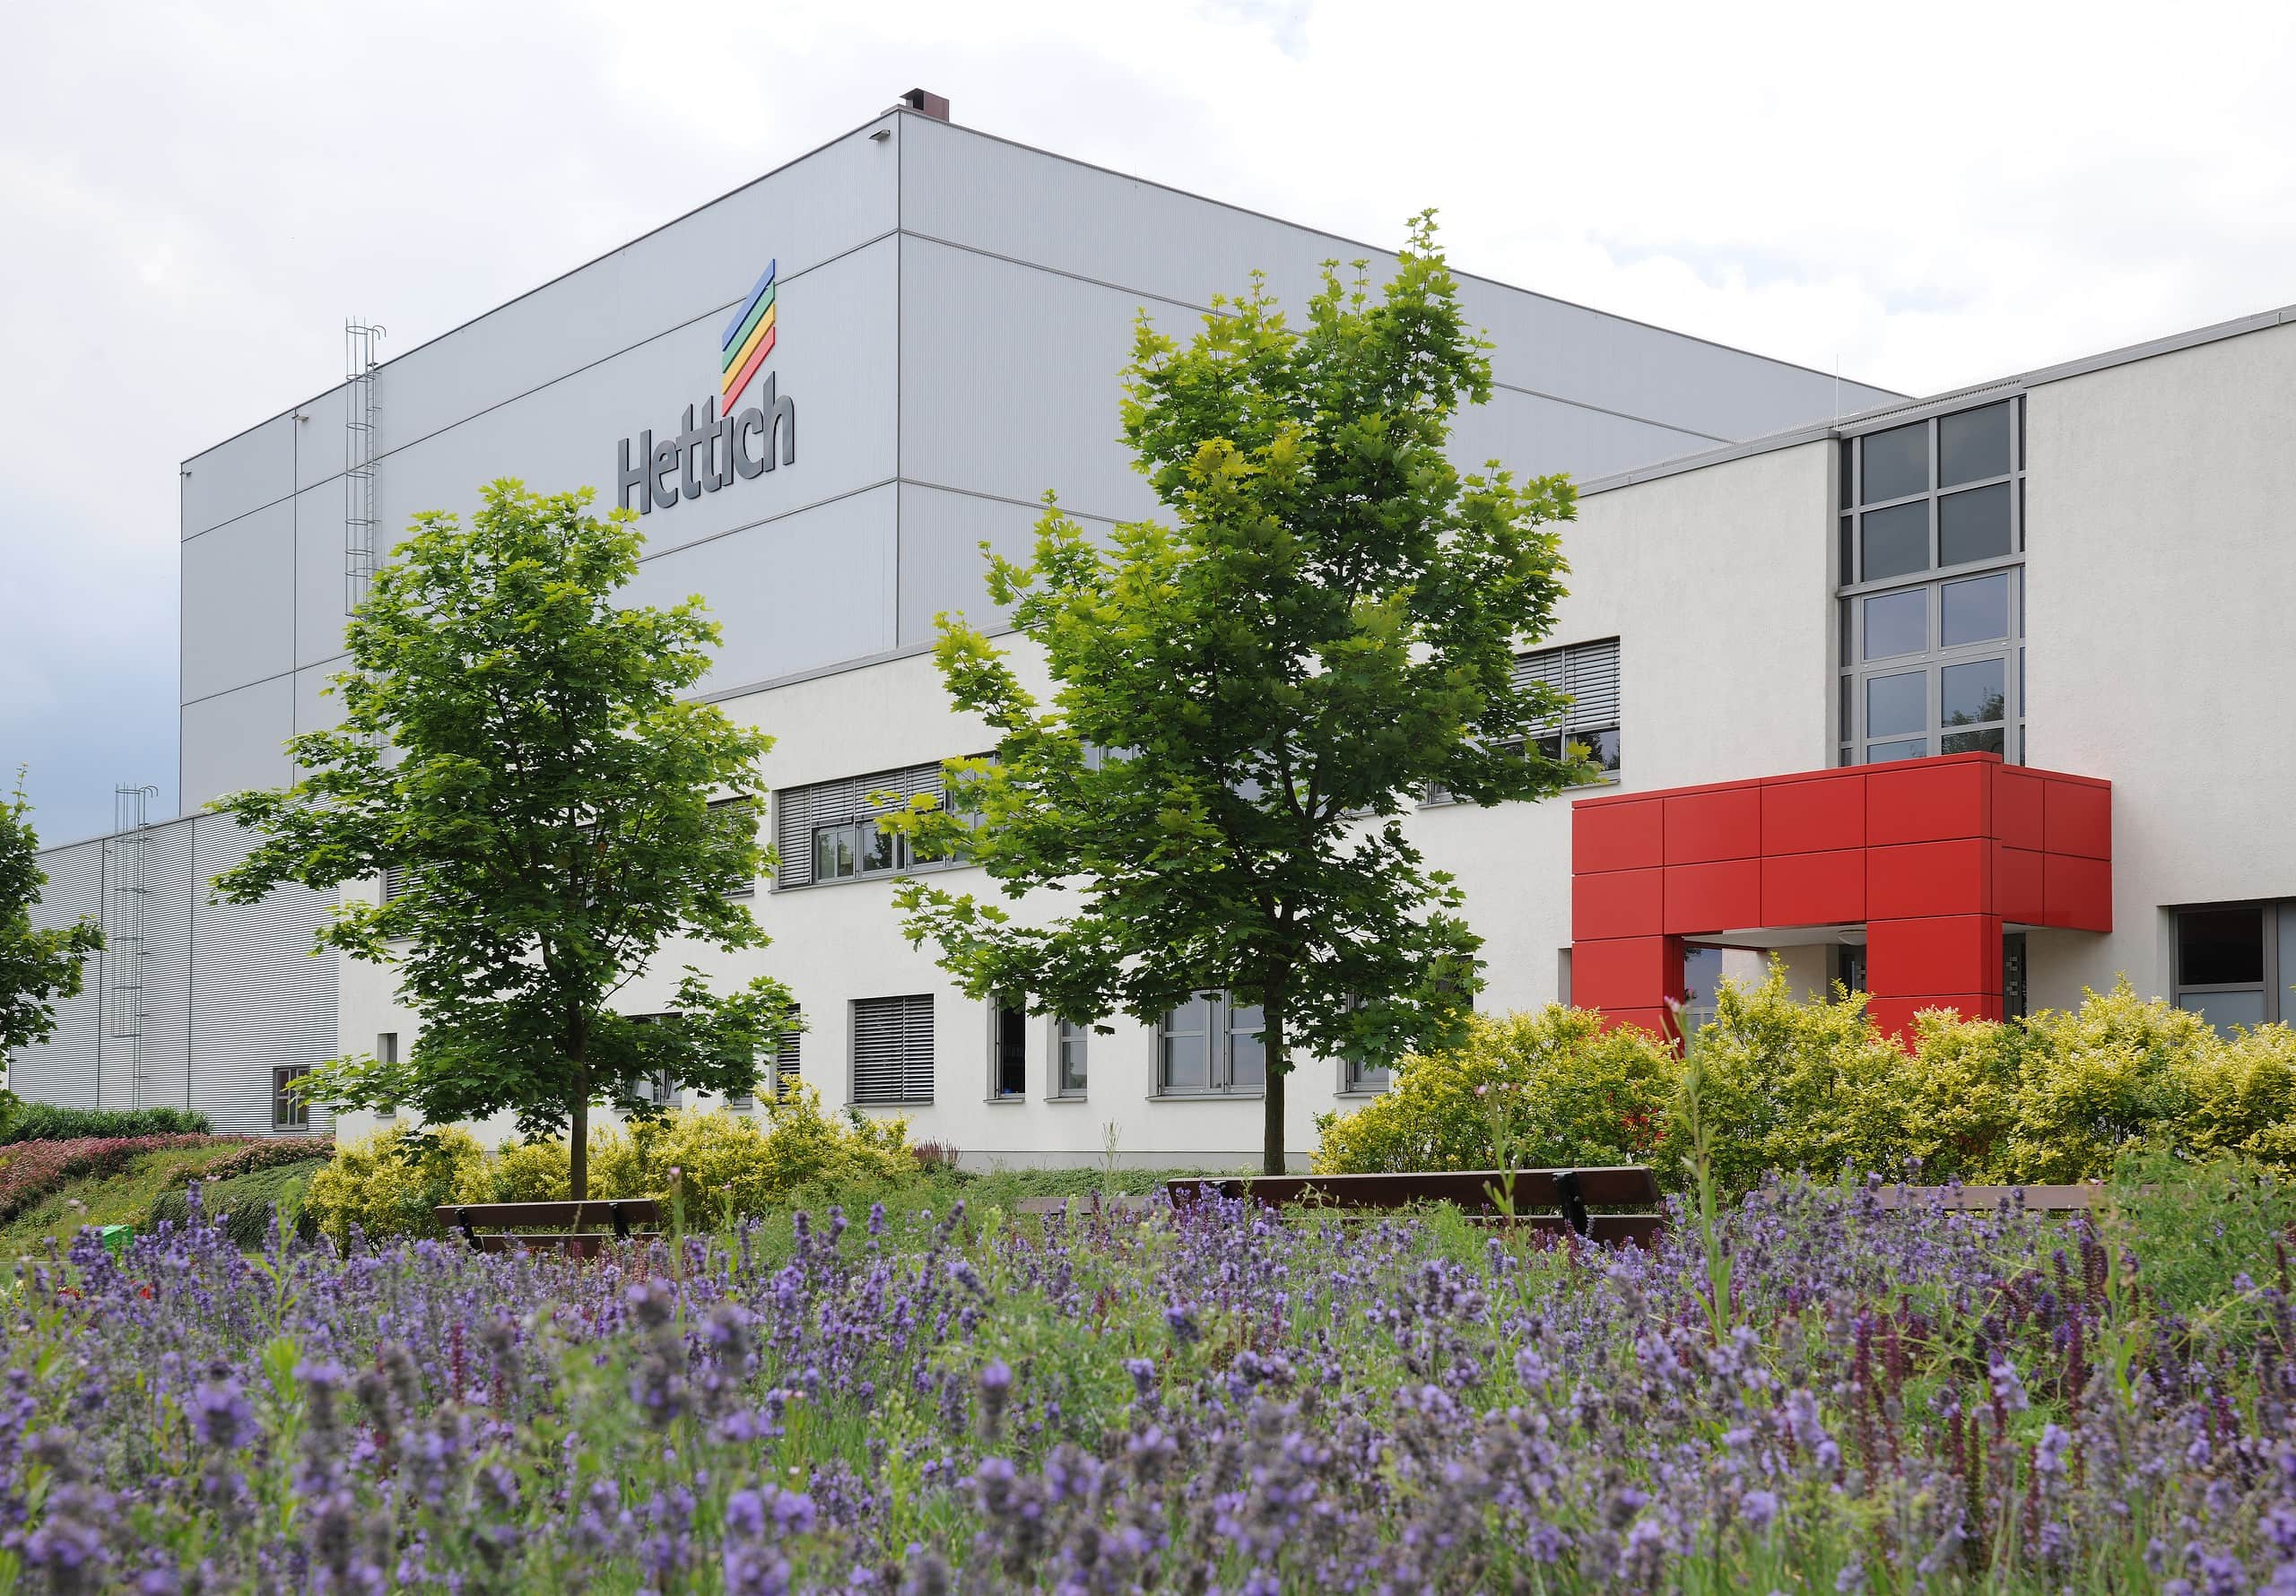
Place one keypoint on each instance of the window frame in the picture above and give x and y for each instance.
(1220, 1049)
(1059, 1034)
(907, 1098)
(288, 1111)
(1854, 743)
(2272, 950)
(853, 812)
(1000, 1010)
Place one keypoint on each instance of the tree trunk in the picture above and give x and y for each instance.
(578, 1145)
(1271, 1159)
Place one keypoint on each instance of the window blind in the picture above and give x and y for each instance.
(1587, 671)
(799, 810)
(893, 1049)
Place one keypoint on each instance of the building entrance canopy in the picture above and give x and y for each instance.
(1934, 857)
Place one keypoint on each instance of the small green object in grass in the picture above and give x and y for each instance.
(115, 1238)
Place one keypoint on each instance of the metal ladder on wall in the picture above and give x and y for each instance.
(359, 412)
(127, 867)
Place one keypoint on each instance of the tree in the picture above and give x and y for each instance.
(1247, 701)
(516, 750)
(37, 967)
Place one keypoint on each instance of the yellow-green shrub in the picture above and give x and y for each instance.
(1572, 1093)
(369, 1183)
(531, 1172)
(1789, 1085)
(731, 1164)
(1792, 1085)
(2115, 1071)
(2240, 1097)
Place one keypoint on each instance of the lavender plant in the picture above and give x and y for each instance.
(1214, 1398)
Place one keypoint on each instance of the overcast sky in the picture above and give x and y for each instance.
(194, 196)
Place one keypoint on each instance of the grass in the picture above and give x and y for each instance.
(124, 1198)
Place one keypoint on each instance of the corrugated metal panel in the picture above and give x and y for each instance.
(799, 810)
(65, 1068)
(167, 973)
(259, 999)
(893, 1049)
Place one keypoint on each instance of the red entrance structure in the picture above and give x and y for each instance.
(1933, 856)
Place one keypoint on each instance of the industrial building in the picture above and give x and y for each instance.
(823, 391)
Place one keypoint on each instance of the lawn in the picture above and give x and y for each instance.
(935, 1399)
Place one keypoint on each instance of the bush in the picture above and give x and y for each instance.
(1568, 1092)
(270, 1153)
(1789, 1086)
(388, 1182)
(53, 1122)
(733, 1164)
(32, 1171)
(244, 1203)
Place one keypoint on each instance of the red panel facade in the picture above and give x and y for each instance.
(1932, 856)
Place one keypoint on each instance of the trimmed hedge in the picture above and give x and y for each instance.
(243, 1204)
(53, 1122)
(31, 1171)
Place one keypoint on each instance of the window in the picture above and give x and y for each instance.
(1589, 674)
(2235, 962)
(1356, 1076)
(1072, 1044)
(1211, 1045)
(398, 878)
(386, 1053)
(788, 1063)
(741, 813)
(1932, 611)
(289, 1110)
(828, 832)
(1008, 1049)
(893, 1049)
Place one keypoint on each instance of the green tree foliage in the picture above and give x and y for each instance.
(521, 748)
(1328, 626)
(37, 967)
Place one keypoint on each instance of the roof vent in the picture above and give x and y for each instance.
(931, 105)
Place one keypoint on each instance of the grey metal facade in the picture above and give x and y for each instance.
(226, 993)
(954, 309)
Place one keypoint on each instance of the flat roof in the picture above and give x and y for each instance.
(1913, 410)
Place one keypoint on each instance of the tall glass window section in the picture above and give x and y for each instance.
(1931, 554)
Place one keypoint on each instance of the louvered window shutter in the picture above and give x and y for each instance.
(893, 1049)
(1590, 676)
(798, 812)
(1587, 671)
(788, 1058)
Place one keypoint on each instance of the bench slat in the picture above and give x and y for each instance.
(586, 1244)
(2073, 1199)
(1628, 1186)
(551, 1216)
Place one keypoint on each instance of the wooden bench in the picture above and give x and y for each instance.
(2073, 1199)
(1570, 1193)
(550, 1227)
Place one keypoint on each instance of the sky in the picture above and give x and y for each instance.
(194, 196)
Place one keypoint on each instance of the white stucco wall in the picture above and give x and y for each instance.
(1684, 570)
(2160, 562)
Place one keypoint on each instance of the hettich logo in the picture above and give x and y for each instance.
(709, 454)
